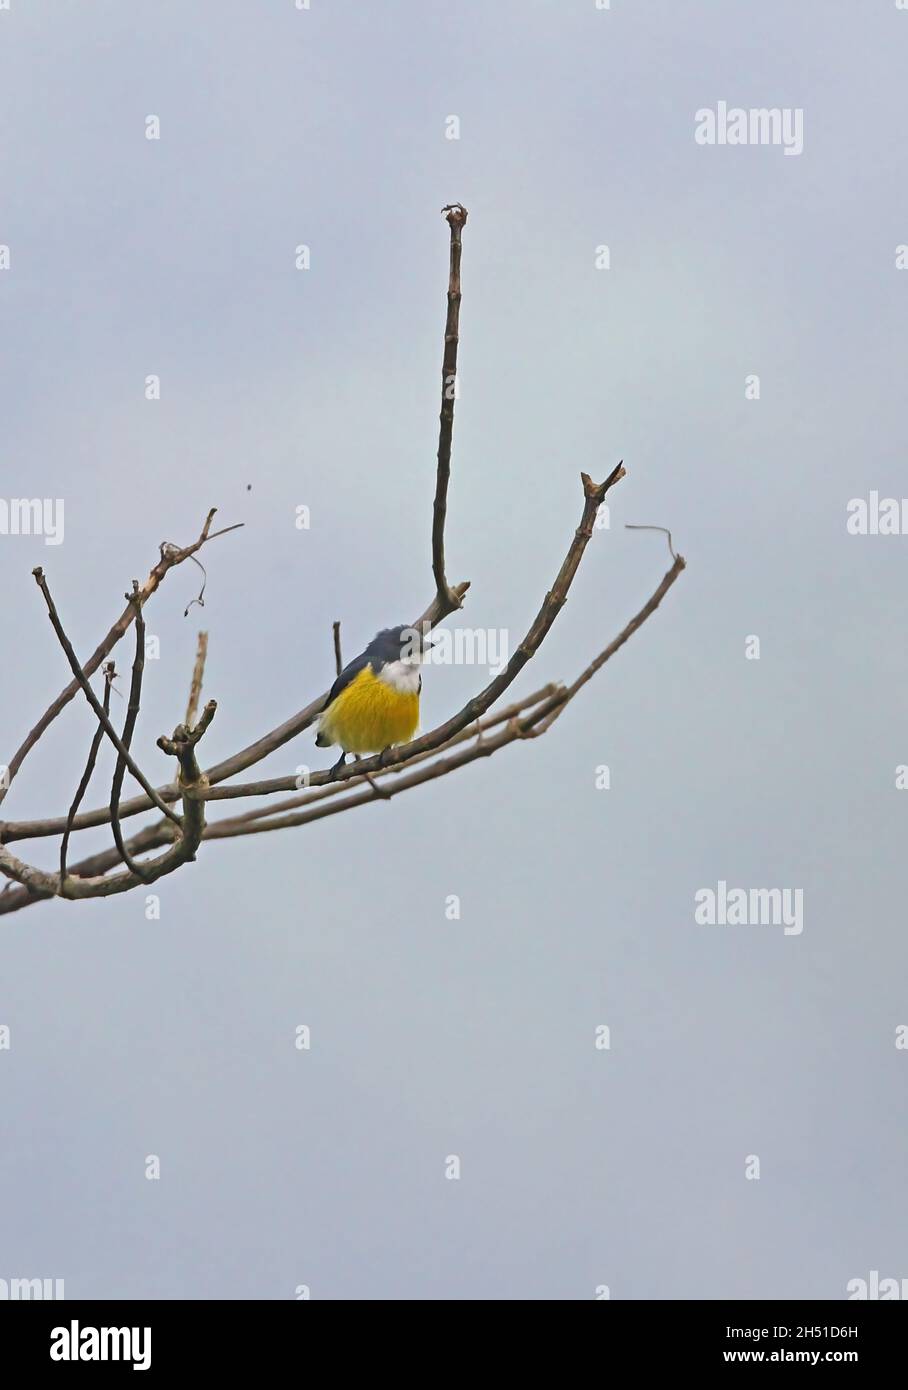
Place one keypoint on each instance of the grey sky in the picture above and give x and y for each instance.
(580, 1167)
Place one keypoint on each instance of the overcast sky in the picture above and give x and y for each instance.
(630, 1166)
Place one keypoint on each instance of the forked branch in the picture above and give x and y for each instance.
(475, 731)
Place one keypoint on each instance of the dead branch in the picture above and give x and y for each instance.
(171, 556)
(624, 635)
(247, 757)
(161, 833)
(456, 217)
(334, 788)
(132, 715)
(552, 604)
(198, 673)
(475, 731)
(82, 680)
(528, 719)
(109, 673)
(183, 850)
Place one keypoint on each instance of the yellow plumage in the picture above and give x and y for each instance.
(369, 715)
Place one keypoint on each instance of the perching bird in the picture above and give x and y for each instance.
(374, 703)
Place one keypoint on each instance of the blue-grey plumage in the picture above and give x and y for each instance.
(374, 703)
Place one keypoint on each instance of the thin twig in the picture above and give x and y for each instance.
(109, 673)
(38, 884)
(461, 739)
(634, 526)
(162, 832)
(82, 680)
(456, 217)
(200, 598)
(594, 493)
(129, 724)
(319, 793)
(552, 604)
(532, 723)
(198, 672)
(338, 659)
(170, 556)
(447, 599)
(624, 635)
(229, 767)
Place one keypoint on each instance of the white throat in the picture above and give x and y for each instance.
(402, 676)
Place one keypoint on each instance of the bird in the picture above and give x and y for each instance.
(374, 703)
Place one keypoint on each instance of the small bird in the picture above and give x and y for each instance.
(374, 703)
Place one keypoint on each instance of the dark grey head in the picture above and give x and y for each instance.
(403, 643)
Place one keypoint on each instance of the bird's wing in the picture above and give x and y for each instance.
(349, 673)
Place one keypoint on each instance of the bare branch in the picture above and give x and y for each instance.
(182, 742)
(447, 600)
(109, 673)
(472, 733)
(154, 836)
(335, 788)
(618, 642)
(456, 217)
(198, 672)
(171, 556)
(529, 720)
(524, 719)
(162, 832)
(129, 724)
(229, 767)
(633, 526)
(192, 784)
(552, 604)
(594, 494)
(200, 597)
(82, 680)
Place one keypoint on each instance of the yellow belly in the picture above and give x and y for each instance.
(369, 715)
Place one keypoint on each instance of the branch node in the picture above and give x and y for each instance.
(595, 492)
(455, 214)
